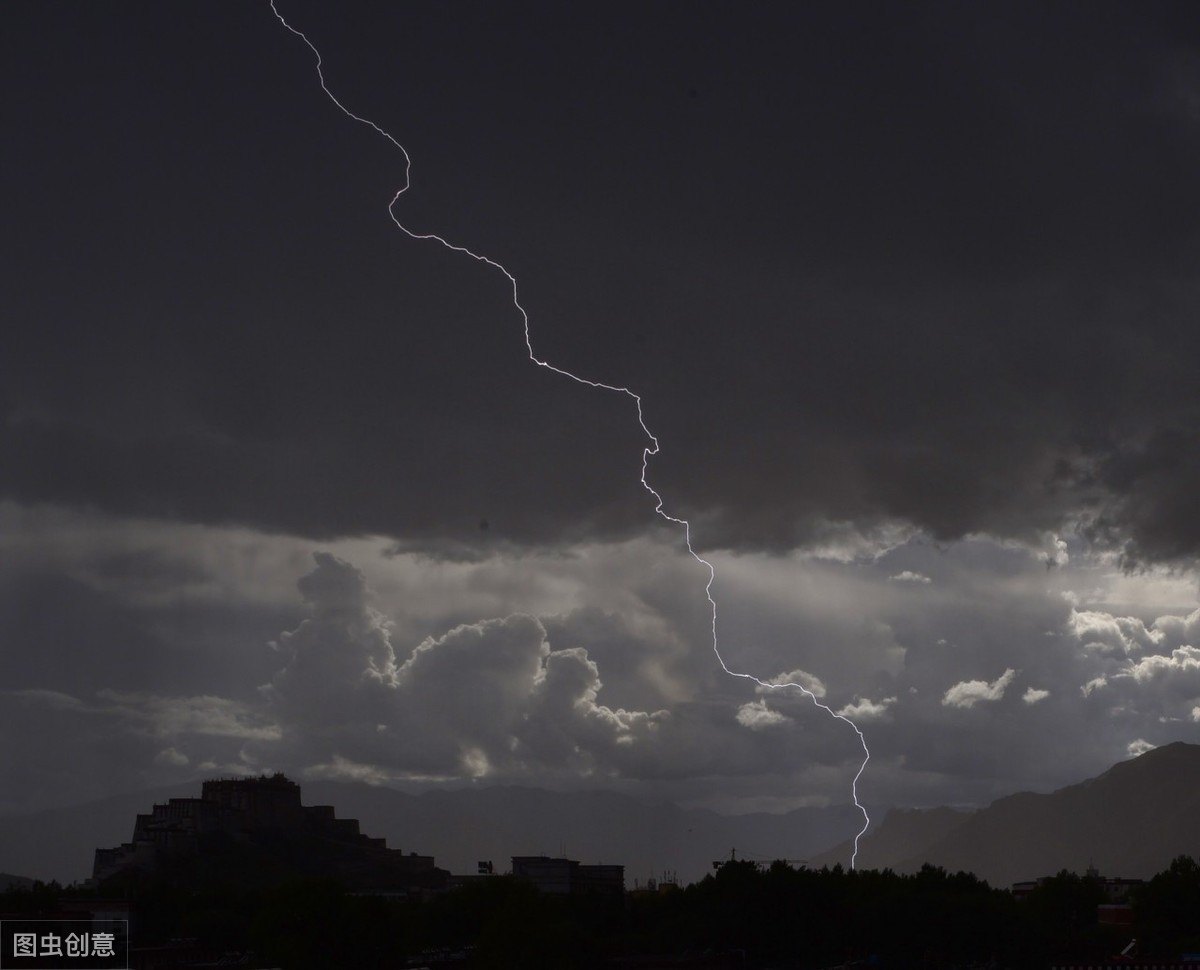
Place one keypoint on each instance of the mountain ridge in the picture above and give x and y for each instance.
(1130, 821)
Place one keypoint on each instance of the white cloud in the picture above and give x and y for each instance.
(908, 576)
(1182, 660)
(1034, 694)
(1180, 629)
(969, 692)
(1148, 672)
(336, 594)
(1140, 747)
(795, 678)
(171, 756)
(1103, 632)
(1107, 633)
(864, 709)
(757, 716)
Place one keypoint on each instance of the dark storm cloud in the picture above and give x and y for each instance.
(1154, 486)
(866, 265)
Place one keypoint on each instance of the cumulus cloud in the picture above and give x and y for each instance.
(1145, 670)
(1140, 747)
(968, 693)
(757, 716)
(864, 709)
(171, 756)
(377, 650)
(517, 696)
(795, 678)
(1104, 632)
(1180, 629)
(336, 595)
(470, 688)
(483, 699)
(1183, 660)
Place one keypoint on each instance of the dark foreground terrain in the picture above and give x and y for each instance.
(741, 916)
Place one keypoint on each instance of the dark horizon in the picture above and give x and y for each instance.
(731, 919)
(1024, 835)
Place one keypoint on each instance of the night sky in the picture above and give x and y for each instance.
(909, 293)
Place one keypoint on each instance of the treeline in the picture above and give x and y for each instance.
(740, 916)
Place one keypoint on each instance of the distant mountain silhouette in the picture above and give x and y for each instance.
(1130, 821)
(9, 881)
(905, 833)
(460, 827)
(60, 843)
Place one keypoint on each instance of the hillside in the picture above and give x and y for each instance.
(1130, 821)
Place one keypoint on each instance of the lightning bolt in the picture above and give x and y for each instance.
(648, 452)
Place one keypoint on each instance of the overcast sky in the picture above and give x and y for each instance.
(909, 293)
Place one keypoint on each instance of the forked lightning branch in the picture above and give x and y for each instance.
(650, 449)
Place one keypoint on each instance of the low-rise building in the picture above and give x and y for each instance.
(567, 876)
